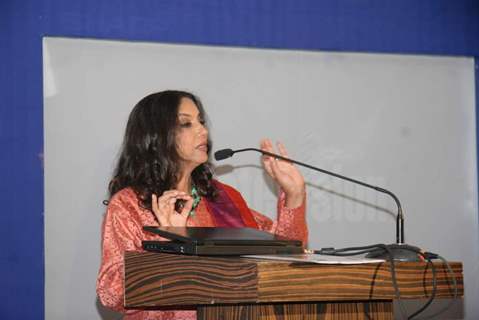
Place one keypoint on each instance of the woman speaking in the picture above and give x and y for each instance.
(163, 178)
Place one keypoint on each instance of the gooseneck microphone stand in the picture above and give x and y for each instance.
(400, 251)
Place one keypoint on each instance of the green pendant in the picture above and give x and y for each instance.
(196, 200)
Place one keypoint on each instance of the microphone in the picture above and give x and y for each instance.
(223, 154)
(400, 251)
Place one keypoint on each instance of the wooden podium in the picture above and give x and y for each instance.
(239, 288)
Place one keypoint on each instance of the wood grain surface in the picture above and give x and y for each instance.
(239, 288)
(377, 310)
(308, 282)
(153, 279)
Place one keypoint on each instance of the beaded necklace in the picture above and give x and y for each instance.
(196, 200)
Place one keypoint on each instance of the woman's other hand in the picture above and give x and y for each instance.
(284, 173)
(164, 208)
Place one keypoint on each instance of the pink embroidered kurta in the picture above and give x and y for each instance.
(122, 231)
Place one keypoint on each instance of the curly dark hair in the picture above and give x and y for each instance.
(149, 160)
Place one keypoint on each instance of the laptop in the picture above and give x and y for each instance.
(219, 241)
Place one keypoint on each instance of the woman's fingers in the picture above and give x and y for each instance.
(282, 149)
(272, 165)
(172, 194)
(154, 203)
(164, 207)
(277, 169)
(170, 197)
(267, 163)
(283, 172)
(187, 208)
(159, 210)
(266, 145)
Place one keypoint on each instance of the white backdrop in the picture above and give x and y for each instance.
(406, 123)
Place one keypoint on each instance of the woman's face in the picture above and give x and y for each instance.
(192, 135)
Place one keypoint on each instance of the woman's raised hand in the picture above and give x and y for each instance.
(164, 208)
(284, 173)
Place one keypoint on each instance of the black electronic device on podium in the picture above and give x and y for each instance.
(219, 241)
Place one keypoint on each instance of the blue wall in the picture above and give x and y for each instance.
(439, 27)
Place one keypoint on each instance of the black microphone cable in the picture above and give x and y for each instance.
(353, 251)
(427, 256)
(430, 256)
